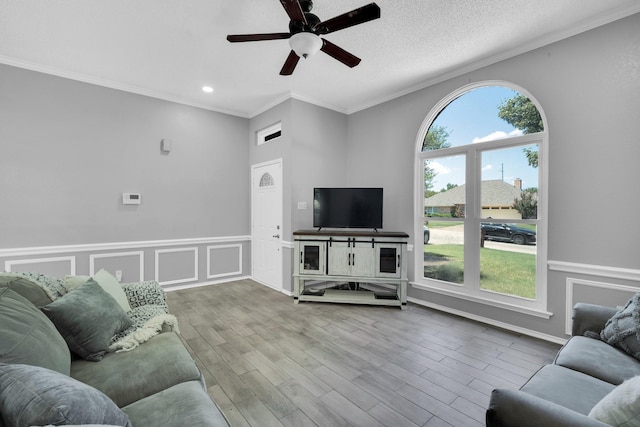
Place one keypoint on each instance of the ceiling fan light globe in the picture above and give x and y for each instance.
(305, 44)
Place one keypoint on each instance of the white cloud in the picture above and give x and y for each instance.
(487, 168)
(497, 135)
(439, 168)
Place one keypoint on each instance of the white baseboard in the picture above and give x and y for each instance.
(488, 321)
(202, 284)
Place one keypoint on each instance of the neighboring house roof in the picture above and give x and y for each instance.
(494, 193)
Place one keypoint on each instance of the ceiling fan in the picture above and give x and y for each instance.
(305, 30)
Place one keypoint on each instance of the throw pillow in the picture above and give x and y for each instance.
(111, 285)
(72, 282)
(87, 319)
(51, 285)
(31, 290)
(31, 395)
(28, 336)
(621, 407)
(623, 329)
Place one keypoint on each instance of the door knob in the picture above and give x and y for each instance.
(277, 236)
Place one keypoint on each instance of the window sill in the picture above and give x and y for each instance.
(486, 301)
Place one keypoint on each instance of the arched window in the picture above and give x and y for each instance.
(481, 198)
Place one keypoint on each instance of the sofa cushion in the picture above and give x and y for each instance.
(598, 359)
(31, 395)
(623, 329)
(87, 318)
(621, 407)
(560, 385)
(184, 404)
(126, 377)
(28, 336)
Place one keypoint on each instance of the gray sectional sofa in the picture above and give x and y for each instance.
(73, 354)
(593, 381)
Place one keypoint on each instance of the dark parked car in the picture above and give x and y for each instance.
(508, 233)
(427, 234)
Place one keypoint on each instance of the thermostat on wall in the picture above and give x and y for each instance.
(131, 198)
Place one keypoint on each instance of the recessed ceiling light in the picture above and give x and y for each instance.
(207, 89)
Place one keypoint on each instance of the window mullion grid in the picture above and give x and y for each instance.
(471, 221)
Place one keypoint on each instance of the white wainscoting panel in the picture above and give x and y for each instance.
(165, 254)
(173, 260)
(139, 254)
(71, 260)
(608, 294)
(234, 270)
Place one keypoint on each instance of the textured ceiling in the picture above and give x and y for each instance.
(170, 48)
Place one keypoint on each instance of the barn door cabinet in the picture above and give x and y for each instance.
(357, 267)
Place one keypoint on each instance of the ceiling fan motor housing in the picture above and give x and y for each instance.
(306, 5)
(296, 26)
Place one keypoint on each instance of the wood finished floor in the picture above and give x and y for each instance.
(270, 362)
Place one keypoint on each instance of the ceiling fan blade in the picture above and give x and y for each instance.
(293, 9)
(349, 19)
(290, 64)
(339, 53)
(257, 37)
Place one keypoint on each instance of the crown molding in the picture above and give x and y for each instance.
(32, 66)
(565, 33)
(551, 38)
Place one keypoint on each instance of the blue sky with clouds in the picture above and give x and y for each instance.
(473, 117)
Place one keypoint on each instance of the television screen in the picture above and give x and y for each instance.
(347, 207)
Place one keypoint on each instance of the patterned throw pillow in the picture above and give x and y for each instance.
(623, 329)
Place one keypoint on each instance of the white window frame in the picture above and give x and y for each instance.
(471, 289)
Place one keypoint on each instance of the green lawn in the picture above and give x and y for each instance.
(501, 271)
(438, 224)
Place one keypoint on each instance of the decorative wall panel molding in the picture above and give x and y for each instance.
(118, 246)
(139, 254)
(139, 260)
(596, 293)
(162, 255)
(71, 260)
(231, 268)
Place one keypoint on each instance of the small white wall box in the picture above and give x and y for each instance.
(165, 145)
(131, 198)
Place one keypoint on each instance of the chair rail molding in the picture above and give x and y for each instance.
(595, 270)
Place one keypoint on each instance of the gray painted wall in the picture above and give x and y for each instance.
(68, 152)
(70, 149)
(319, 157)
(589, 89)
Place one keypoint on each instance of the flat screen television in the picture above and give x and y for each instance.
(347, 208)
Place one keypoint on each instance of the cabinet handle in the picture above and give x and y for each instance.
(353, 259)
(398, 260)
(301, 258)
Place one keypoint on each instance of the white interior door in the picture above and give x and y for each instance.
(266, 220)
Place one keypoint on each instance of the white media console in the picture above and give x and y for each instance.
(355, 267)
